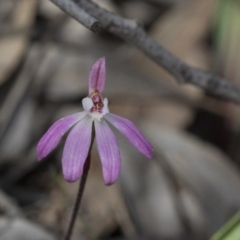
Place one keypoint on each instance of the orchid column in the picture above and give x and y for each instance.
(94, 119)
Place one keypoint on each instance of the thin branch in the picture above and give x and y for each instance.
(79, 14)
(134, 33)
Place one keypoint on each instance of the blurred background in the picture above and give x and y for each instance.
(188, 191)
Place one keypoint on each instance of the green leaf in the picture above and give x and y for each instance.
(230, 231)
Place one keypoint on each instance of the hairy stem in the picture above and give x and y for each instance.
(80, 191)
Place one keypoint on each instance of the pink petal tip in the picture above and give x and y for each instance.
(97, 76)
(52, 137)
(109, 152)
(76, 150)
(131, 132)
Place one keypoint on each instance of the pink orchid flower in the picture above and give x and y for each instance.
(79, 139)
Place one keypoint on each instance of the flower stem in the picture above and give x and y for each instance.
(80, 191)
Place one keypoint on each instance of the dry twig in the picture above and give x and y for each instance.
(132, 32)
(79, 14)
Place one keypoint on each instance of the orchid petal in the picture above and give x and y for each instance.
(108, 151)
(105, 106)
(87, 104)
(52, 137)
(97, 76)
(76, 150)
(131, 132)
